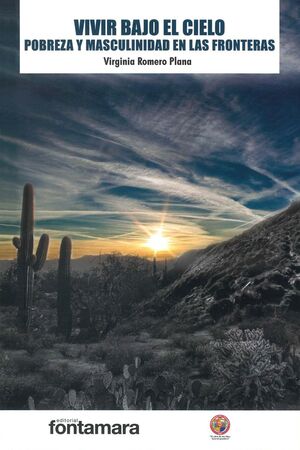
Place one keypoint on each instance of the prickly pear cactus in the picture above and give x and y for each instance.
(107, 379)
(72, 397)
(27, 262)
(31, 404)
(63, 400)
(126, 389)
(131, 391)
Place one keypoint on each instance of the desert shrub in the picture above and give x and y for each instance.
(205, 368)
(64, 350)
(278, 332)
(8, 286)
(204, 359)
(218, 332)
(195, 353)
(111, 291)
(233, 318)
(275, 331)
(222, 288)
(170, 362)
(15, 390)
(125, 329)
(245, 371)
(33, 345)
(4, 364)
(203, 351)
(185, 342)
(70, 351)
(48, 341)
(63, 376)
(23, 364)
(115, 353)
(117, 357)
(179, 340)
(97, 353)
(250, 323)
(249, 296)
(47, 281)
(13, 340)
(189, 345)
(255, 269)
(134, 326)
(254, 310)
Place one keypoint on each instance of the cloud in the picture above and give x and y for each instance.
(110, 156)
(290, 37)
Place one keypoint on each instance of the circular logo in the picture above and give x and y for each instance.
(220, 424)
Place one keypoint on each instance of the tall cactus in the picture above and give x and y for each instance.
(64, 312)
(154, 267)
(27, 262)
(165, 270)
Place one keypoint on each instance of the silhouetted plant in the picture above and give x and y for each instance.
(64, 313)
(27, 262)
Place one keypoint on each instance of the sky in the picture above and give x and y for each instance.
(113, 157)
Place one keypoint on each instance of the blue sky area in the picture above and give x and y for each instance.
(111, 157)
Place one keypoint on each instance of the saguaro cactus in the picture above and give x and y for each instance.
(165, 271)
(154, 267)
(64, 312)
(27, 263)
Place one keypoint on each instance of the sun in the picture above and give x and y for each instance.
(157, 242)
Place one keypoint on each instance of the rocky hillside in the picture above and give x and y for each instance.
(256, 273)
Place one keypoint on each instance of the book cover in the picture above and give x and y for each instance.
(150, 224)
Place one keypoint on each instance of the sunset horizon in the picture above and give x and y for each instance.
(160, 240)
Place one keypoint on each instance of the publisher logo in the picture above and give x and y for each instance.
(220, 425)
(76, 426)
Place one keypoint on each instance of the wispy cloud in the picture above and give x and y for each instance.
(109, 156)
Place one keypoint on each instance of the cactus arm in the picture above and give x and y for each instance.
(32, 260)
(16, 242)
(41, 253)
(27, 221)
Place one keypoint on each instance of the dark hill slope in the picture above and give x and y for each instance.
(255, 273)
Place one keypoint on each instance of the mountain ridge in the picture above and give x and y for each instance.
(255, 272)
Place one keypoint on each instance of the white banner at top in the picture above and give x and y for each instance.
(117, 36)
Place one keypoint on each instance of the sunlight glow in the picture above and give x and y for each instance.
(157, 242)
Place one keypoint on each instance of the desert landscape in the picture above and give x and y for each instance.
(214, 328)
